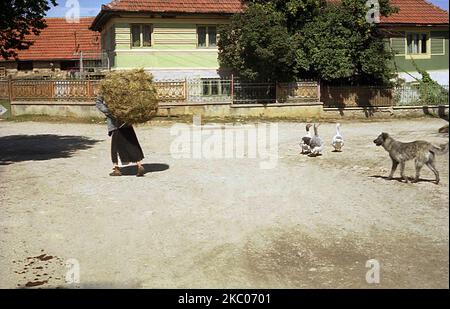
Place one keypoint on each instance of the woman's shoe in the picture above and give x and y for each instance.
(140, 172)
(116, 172)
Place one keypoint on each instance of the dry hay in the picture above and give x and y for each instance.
(130, 95)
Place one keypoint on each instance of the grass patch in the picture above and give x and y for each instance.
(56, 119)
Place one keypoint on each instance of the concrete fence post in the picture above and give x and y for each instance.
(232, 88)
(318, 91)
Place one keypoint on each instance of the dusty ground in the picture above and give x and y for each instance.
(224, 223)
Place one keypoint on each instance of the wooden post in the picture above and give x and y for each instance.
(10, 89)
(88, 89)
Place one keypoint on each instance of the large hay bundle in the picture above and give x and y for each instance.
(130, 95)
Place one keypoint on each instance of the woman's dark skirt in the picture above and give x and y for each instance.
(125, 144)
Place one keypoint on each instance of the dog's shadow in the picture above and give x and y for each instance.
(399, 179)
(149, 168)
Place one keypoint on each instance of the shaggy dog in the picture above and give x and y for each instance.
(422, 152)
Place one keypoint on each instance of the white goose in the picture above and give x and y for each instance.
(316, 144)
(306, 140)
(338, 140)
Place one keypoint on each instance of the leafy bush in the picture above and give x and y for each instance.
(431, 93)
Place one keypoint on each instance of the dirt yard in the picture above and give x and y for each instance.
(218, 223)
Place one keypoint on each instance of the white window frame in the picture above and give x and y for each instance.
(141, 35)
(207, 36)
(220, 87)
(419, 55)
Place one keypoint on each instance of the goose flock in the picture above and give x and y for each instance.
(313, 145)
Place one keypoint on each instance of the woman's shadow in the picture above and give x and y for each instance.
(149, 168)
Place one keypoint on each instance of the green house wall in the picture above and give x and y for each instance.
(174, 44)
(439, 51)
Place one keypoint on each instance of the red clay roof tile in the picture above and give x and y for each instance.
(413, 12)
(416, 12)
(60, 40)
(176, 6)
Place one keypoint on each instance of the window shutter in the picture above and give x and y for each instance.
(398, 45)
(437, 43)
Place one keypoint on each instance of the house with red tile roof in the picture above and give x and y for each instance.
(57, 50)
(178, 38)
(419, 37)
(171, 38)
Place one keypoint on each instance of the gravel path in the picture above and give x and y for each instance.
(218, 223)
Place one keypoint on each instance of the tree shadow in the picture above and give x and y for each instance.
(19, 148)
(442, 112)
(149, 168)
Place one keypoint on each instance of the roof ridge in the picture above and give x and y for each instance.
(435, 6)
(63, 18)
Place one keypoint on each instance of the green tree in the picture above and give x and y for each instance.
(291, 39)
(296, 12)
(257, 45)
(340, 45)
(19, 18)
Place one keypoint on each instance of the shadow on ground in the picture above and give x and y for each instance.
(19, 148)
(399, 179)
(149, 168)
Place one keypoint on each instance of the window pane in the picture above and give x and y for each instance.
(136, 35)
(212, 36)
(206, 87)
(226, 88)
(214, 87)
(201, 34)
(416, 44)
(424, 44)
(409, 40)
(147, 35)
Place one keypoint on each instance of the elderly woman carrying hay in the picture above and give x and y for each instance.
(127, 98)
(124, 142)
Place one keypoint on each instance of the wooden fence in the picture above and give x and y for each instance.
(383, 96)
(357, 96)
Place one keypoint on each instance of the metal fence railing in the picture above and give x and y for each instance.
(415, 94)
(248, 93)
